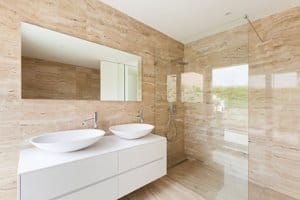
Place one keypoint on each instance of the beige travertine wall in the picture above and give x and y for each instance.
(43, 79)
(92, 20)
(274, 103)
(274, 108)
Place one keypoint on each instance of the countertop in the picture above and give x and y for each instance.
(35, 159)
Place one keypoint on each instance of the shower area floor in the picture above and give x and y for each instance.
(193, 180)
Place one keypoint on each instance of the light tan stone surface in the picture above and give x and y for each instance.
(91, 20)
(274, 100)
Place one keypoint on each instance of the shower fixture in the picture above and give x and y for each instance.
(171, 125)
(253, 27)
(180, 61)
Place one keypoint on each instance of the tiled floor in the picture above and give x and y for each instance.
(192, 180)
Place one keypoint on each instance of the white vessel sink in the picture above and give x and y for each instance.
(131, 131)
(67, 141)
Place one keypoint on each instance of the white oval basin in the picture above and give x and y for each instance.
(67, 141)
(131, 131)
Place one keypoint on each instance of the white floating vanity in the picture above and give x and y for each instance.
(108, 170)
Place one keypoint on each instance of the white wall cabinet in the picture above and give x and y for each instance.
(108, 170)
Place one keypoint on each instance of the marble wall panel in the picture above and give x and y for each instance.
(87, 19)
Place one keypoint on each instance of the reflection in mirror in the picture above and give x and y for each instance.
(257, 81)
(47, 79)
(191, 87)
(171, 88)
(112, 81)
(59, 66)
(120, 82)
(132, 82)
(285, 80)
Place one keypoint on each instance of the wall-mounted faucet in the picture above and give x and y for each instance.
(141, 115)
(172, 109)
(95, 120)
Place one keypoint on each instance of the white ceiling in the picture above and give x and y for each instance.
(188, 20)
(41, 43)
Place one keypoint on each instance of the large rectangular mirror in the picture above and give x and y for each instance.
(59, 66)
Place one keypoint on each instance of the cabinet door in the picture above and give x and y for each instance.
(140, 155)
(136, 178)
(60, 180)
(106, 190)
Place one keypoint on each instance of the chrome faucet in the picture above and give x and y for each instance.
(141, 115)
(95, 119)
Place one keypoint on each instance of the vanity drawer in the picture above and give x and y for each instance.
(55, 181)
(136, 178)
(140, 155)
(106, 190)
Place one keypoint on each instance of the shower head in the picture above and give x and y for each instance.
(181, 61)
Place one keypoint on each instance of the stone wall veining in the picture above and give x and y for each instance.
(273, 111)
(91, 20)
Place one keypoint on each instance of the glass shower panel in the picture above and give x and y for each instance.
(168, 107)
(214, 91)
(228, 125)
